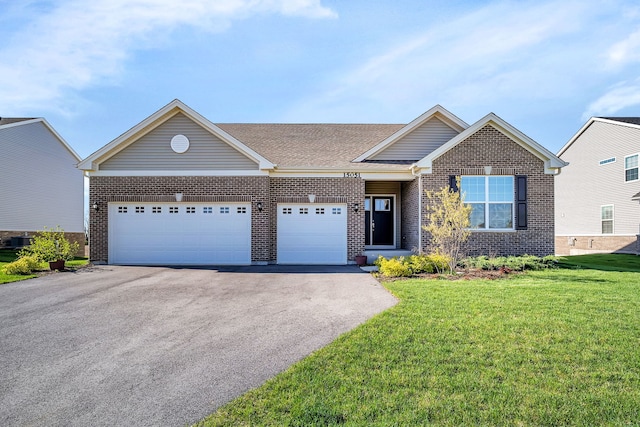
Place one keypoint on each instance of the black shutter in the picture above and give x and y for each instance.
(521, 202)
(453, 183)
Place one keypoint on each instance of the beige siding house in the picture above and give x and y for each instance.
(180, 189)
(40, 183)
(597, 206)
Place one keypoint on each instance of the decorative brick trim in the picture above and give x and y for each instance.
(185, 198)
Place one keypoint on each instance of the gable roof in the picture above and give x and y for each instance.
(551, 161)
(630, 122)
(7, 122)
(156, 119)
(313, 146)
(437, 111)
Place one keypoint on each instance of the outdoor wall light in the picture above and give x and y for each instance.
(95, 206)
(259, 206)
(356, 207)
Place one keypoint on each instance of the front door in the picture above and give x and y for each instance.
(379, 220)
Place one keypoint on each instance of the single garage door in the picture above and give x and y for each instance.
(180, 233)
(312, 234)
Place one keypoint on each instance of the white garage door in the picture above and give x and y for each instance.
(312, 234)
(180, 233)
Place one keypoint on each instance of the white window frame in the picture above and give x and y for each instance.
(487, 202)
(636, 167)
(602, 220)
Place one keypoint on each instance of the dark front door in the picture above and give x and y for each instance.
(379, 221)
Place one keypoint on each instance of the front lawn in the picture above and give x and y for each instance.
(553, 347)
(8, 255)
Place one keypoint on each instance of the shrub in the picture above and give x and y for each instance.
(516, 263)
(24, 265)
(420, 264)
(393, 267)
(51, 245)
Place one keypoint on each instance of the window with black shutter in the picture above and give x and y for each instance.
(521, 202)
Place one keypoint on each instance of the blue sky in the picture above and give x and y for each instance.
(96, 68)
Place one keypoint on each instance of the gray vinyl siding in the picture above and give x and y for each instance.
(584, 186)
(40, 184)
(153, 151)
(419, 143)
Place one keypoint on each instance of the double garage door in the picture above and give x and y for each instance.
(180, 233)
(220, 233)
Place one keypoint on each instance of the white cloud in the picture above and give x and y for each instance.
(626, 51)
(501, 53)
(619, 97)
(75, 44)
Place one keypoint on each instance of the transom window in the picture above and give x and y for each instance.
(173, 209)
(207, 209)
(156, 209)
(336, 211)
(224, 209)
(242, 210)
(122, 209)
(286, 211)
(631, 168)
(491, 201)
(606, 216)
(304, 211)
(191, 209)
(139, 209)
(319, 211)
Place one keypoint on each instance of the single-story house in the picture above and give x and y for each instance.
(598, 194)
(41, 184)
(180, 189)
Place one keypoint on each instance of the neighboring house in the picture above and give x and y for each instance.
(40, 183)
(179, 189)
(598, 194)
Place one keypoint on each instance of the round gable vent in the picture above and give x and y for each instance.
(179, 143)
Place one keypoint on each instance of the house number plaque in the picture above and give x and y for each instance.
(352, 174)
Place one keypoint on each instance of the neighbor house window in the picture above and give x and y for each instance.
(606, 216)
(491, 201)
(607, 161)
(631, 168)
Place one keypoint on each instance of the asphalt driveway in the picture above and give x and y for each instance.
(133, 346)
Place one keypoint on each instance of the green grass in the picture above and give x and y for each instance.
(8, 255)
(607, 262)
(554, 347)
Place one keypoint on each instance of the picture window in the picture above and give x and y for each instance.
(491, 199)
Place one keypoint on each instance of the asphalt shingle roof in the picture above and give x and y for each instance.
(631, 120)
(313, 145)
(9, 120)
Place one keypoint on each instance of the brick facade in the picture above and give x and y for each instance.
(410, 224)
(490, 147)
(268, 191)
(327, 190)
(579, 245)
(105, 189)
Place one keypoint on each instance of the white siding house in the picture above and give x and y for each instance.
(597, 208)
(40, 185)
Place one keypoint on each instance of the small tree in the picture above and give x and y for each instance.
(51, 245)
(448, 223)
